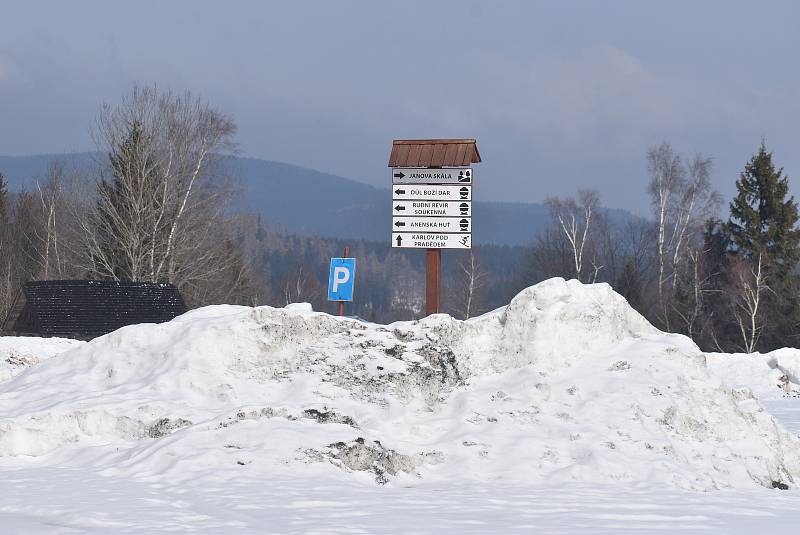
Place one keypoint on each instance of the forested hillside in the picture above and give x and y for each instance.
(313, 203)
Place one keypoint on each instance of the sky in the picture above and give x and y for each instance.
(560, 95)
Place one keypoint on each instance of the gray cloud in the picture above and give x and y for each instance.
(559, 97)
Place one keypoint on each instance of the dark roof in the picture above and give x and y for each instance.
(86, 309)
(434, 153)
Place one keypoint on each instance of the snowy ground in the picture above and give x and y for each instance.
(563, 413)
(56, 501)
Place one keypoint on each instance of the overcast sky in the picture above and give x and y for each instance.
(560, 95)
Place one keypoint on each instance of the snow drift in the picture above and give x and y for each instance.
(18, 353)
(769, 375)
(566, 383)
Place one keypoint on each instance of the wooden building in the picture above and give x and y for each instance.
(85, 309)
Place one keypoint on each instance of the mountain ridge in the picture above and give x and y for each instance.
(320, 203)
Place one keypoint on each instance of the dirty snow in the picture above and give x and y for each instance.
(565, 411)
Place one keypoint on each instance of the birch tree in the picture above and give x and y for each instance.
(160, 197)
(467, 296)
(748, 290)
(575, 218)
(667, 179)
(696, 287)
(300, 285)
(698, 201)
(683, 199)
(53, 235)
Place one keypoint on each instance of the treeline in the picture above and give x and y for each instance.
(390, 282)
(730, 283)
(156, 206)
(152, 208)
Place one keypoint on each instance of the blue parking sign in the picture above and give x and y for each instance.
(341, 279)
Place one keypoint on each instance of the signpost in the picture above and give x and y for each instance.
(432, 202)
(341, 279)
(435, 215)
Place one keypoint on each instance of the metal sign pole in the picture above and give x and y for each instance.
(346, 255)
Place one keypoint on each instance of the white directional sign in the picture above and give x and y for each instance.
(402, 175)
(417, 192)
(432, 224)
(432, 208)
(413, 240)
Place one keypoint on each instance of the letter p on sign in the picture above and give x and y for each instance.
(341, 279)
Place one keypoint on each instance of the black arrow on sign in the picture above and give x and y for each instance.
(399, 208)
(400, 191)
(399, 224)
(399, 175)
(399, 241)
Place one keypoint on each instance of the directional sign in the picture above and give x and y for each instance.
(432, 208)
(341, 279)
(401, 175)
(432, 224)
(427, 240)
(415, 192)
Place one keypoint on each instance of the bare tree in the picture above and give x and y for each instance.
(683, 200)
(301, 286)
(667, 179)
(53, 238)
(696, 288)
(467, 296)
(550, 256)
(748, 288)
(160, 201)
(697, 201)
(575, 219)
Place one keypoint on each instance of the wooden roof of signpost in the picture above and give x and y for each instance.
(434, 153)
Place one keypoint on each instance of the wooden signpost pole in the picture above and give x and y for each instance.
(433, 281)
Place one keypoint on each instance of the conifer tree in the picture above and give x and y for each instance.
(762, 229)
(123, 202)
(762, 219)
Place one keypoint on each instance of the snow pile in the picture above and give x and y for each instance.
(567, 383)
(17, 353)
(769, 375)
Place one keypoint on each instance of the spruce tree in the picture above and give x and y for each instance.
(763, 219)
(122, 202)
(763, 223)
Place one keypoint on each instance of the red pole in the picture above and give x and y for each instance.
(433, 275)
(346, 255)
